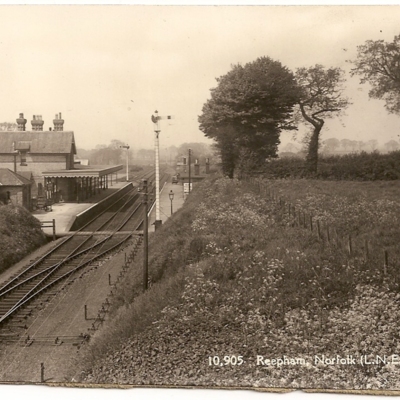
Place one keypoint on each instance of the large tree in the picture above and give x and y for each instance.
(111, 154)
(247, 111)
(321, 97)
(8, 126)
(331, 144)
(200, 151)
(392, 145)
(378, 63)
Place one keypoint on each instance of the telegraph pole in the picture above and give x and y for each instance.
(145, 238)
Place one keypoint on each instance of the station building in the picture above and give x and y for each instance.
(14, 188)
(48, 158)
(198, 173)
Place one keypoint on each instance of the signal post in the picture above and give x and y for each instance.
(156, 120)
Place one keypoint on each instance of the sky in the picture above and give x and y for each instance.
(107, 68)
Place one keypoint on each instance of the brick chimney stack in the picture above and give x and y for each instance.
(37, 123)
(58, 123)
(21, 121)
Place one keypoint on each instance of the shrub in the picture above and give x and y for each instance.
(361, 166)
(20, 234)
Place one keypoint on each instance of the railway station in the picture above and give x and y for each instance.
(66, 213)
(78, 185)
(87, 213)
(47, 157)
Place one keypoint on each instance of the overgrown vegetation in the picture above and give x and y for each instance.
(20, 234)
(232, 276)
(361, 166)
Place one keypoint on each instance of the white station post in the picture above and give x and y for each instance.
(156, 120)
(158, 221)
(127, 160)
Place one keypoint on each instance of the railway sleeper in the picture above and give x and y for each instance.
(18, 325)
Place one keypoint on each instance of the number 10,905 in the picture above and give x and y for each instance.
(226, 360)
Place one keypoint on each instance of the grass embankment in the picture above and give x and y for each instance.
(20, 234)
(232, 277)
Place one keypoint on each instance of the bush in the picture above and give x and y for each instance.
(20, 234)
(361, 166)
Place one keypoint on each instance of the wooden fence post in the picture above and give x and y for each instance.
(350, 246)
(318, 229)
(338, 242)
(386, 262)
(41, 372)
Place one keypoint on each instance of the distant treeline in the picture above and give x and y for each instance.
(361, 166)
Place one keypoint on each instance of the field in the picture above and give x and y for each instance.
(365, 211)
(237, 276)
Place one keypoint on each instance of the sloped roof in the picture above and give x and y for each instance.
(38, 141)
(26, 174)
(10, 178)
(84, 171)
(20, 145)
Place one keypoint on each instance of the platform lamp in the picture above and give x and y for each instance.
(171, 197)
(127, 160)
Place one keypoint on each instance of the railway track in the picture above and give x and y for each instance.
(103, 235)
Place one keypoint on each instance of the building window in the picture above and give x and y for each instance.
(23, 158)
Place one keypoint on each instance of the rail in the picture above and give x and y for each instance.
(46, 278)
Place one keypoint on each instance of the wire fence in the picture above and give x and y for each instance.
(358, 249)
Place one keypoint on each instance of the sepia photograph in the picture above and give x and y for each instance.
(199, 197)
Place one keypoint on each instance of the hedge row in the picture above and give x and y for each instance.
(361, 166)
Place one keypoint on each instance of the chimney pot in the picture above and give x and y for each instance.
(37, 123)
(21, 121)
(58, 123)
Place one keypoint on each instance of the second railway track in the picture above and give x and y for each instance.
(104, 234)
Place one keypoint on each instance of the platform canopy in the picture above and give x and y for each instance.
(93, 171)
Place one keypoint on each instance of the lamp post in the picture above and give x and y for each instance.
(127, 160)
(171, 197)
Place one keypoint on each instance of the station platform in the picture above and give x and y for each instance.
(65, 213)
(165, 203)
